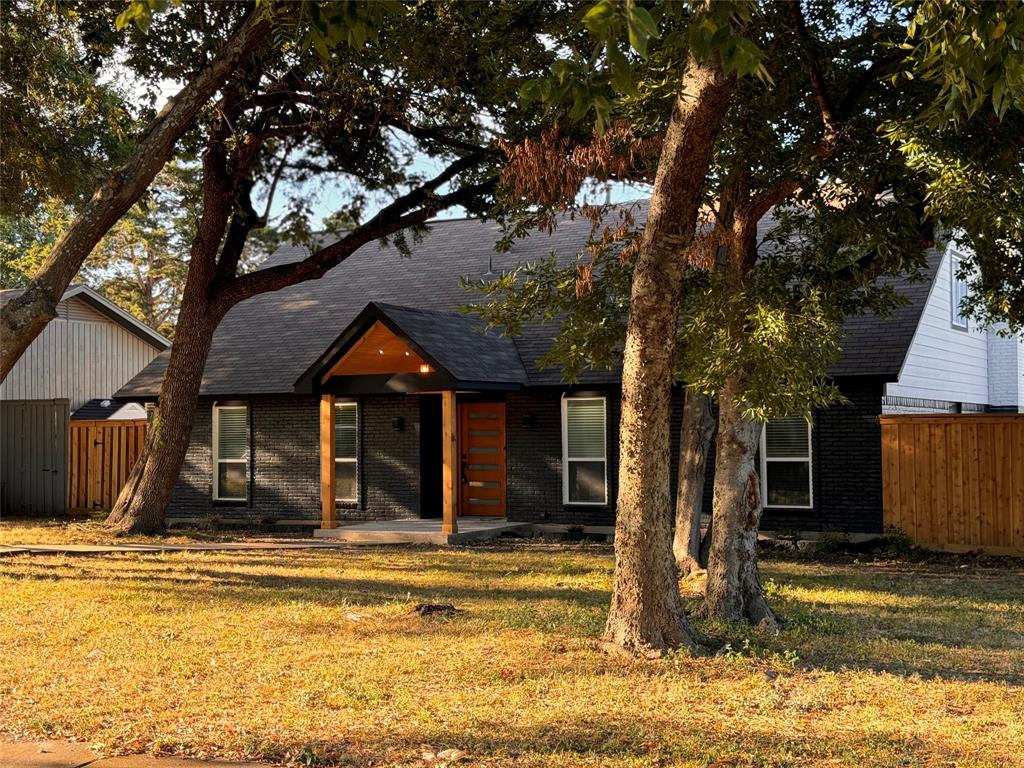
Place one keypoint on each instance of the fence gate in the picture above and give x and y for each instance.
(102, 454)
(955, 481)
(33, 457)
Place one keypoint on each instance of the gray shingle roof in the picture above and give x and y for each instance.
(460, 344)
(266, 343)
(104, 305)
(109, 410)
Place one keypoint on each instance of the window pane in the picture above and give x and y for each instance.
(346, 415)
(345, 481)
(346, 431)
(959, 293)
(786, 438)
(585, 425)
(232, 433)
(231, 480)
(788, 483)
(586, 482)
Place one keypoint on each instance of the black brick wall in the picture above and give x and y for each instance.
(534, 456)
(847, 466)
(286, 474)
(390, 479)
(285, 468)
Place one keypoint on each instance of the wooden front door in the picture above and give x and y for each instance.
(482, 445)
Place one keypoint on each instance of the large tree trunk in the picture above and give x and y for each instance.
(141, 506)
(23, 318)
(733, 591)
(646, 615)
(695, 433)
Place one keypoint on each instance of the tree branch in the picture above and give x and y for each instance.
(24, 317)
(819, 86)
(412, 209)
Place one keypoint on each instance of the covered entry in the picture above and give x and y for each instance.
(447, 356)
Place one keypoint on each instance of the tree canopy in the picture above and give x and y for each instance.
(835, 144)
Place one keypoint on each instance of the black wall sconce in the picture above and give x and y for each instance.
(528, 421)
(398, 424)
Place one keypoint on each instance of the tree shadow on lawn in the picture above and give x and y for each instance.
(831, 624)
(893, 620)
(240, 587)
(642, 737)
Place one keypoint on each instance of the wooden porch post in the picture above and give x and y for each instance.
(450, 452)
(327, 493)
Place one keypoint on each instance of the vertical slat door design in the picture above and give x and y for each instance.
(102, 454)
(482, 443)
(955, 481)
(33, 457)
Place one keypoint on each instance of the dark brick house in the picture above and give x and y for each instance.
(368, 395)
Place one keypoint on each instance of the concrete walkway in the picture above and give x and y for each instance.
(471, 530)
(107, 549)
(423, 531)
(69, 754)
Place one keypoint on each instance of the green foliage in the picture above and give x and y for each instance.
(872, 178)
(140, 13)
(975, 185)
(25, 239)
(350, 22)
(63, 127)
(141, 263)
(966, 145)
(973, 50)
(897, 543)
(592, 325)
(602, 77)
(779, 340)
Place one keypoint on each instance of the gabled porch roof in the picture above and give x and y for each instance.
(390, 348)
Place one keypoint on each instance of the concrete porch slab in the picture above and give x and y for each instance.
(471, 529)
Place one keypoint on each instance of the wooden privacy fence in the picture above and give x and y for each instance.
(955, 481)
(102, 454)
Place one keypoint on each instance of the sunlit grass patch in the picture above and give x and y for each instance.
(92, 531)
(308, 656)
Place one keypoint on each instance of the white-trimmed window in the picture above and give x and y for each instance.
(786, 463)
(958, 291)
(584, 453)
(231, 452)
(346, 452)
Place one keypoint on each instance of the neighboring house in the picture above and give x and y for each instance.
(953, 365)
(85, 354)
(370, 388)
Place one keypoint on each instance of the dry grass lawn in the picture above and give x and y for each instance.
(315, 657)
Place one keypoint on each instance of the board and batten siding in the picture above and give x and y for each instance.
(80, 355)
(944, 362)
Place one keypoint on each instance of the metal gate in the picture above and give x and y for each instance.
(33, 457)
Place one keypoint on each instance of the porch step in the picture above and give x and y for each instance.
(471, 529)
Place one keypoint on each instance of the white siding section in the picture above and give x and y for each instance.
(1020, 375)
(77, 359)
(944, 363)
(76, 309)
(1005, 370)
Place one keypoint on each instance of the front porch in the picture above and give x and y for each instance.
(469, 530)
(460, 374)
